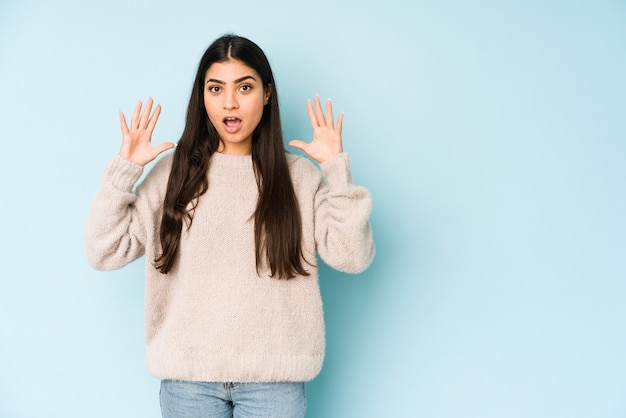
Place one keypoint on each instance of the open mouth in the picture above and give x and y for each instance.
(232, 124)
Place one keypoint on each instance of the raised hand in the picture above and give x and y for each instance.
(136, 139)
(326, 136)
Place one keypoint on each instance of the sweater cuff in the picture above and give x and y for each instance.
(121, 174)
(337, 172)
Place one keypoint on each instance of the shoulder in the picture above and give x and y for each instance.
(159, 174)
(303, 171)
(300, 164)
(163, 165)
(306, 177)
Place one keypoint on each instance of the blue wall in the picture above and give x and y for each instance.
(492, 136)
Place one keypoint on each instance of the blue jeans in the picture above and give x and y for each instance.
(237, 400)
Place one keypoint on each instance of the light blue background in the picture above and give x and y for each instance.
(492, 136)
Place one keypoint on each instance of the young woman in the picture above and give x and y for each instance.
(231, 225)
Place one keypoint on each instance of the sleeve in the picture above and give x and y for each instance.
(115, 232)
(342, 231)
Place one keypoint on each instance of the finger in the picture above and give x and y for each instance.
(329, 114)
(146, 114)
(339, 124)
(298, 144)
(134, 122)
(123, 124)
(164, 147)
(319, 113)
(311, 112)
(154, 118)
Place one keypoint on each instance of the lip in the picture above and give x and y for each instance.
(232, 124)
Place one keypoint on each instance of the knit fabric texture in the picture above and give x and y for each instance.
(213, 317)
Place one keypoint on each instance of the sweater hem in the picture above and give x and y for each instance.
(121, 174)
(337, 172)
(241, 369)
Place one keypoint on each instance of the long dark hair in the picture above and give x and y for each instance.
(277, 221)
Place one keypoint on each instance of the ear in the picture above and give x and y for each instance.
(266, 94)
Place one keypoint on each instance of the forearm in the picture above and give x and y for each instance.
(343, 233)
(114, 234)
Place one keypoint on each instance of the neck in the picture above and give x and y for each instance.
(235, 149)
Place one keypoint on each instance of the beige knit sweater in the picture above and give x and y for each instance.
(212, 317)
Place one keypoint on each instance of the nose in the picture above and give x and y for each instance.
(230, 101)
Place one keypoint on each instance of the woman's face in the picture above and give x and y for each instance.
(234, 99)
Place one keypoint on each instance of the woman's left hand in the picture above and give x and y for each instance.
(326, 142)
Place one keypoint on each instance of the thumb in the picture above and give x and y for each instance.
(164, 147)
(298, 144)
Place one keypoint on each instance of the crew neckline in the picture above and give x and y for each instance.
(231, 159)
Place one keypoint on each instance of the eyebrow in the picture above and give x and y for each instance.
(239, 80)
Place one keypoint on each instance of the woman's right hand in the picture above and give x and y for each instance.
(136, 143)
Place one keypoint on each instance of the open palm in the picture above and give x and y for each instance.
(326, 136)
(137, 138)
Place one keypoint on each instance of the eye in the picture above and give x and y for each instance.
(245, 88)
(214, 89)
